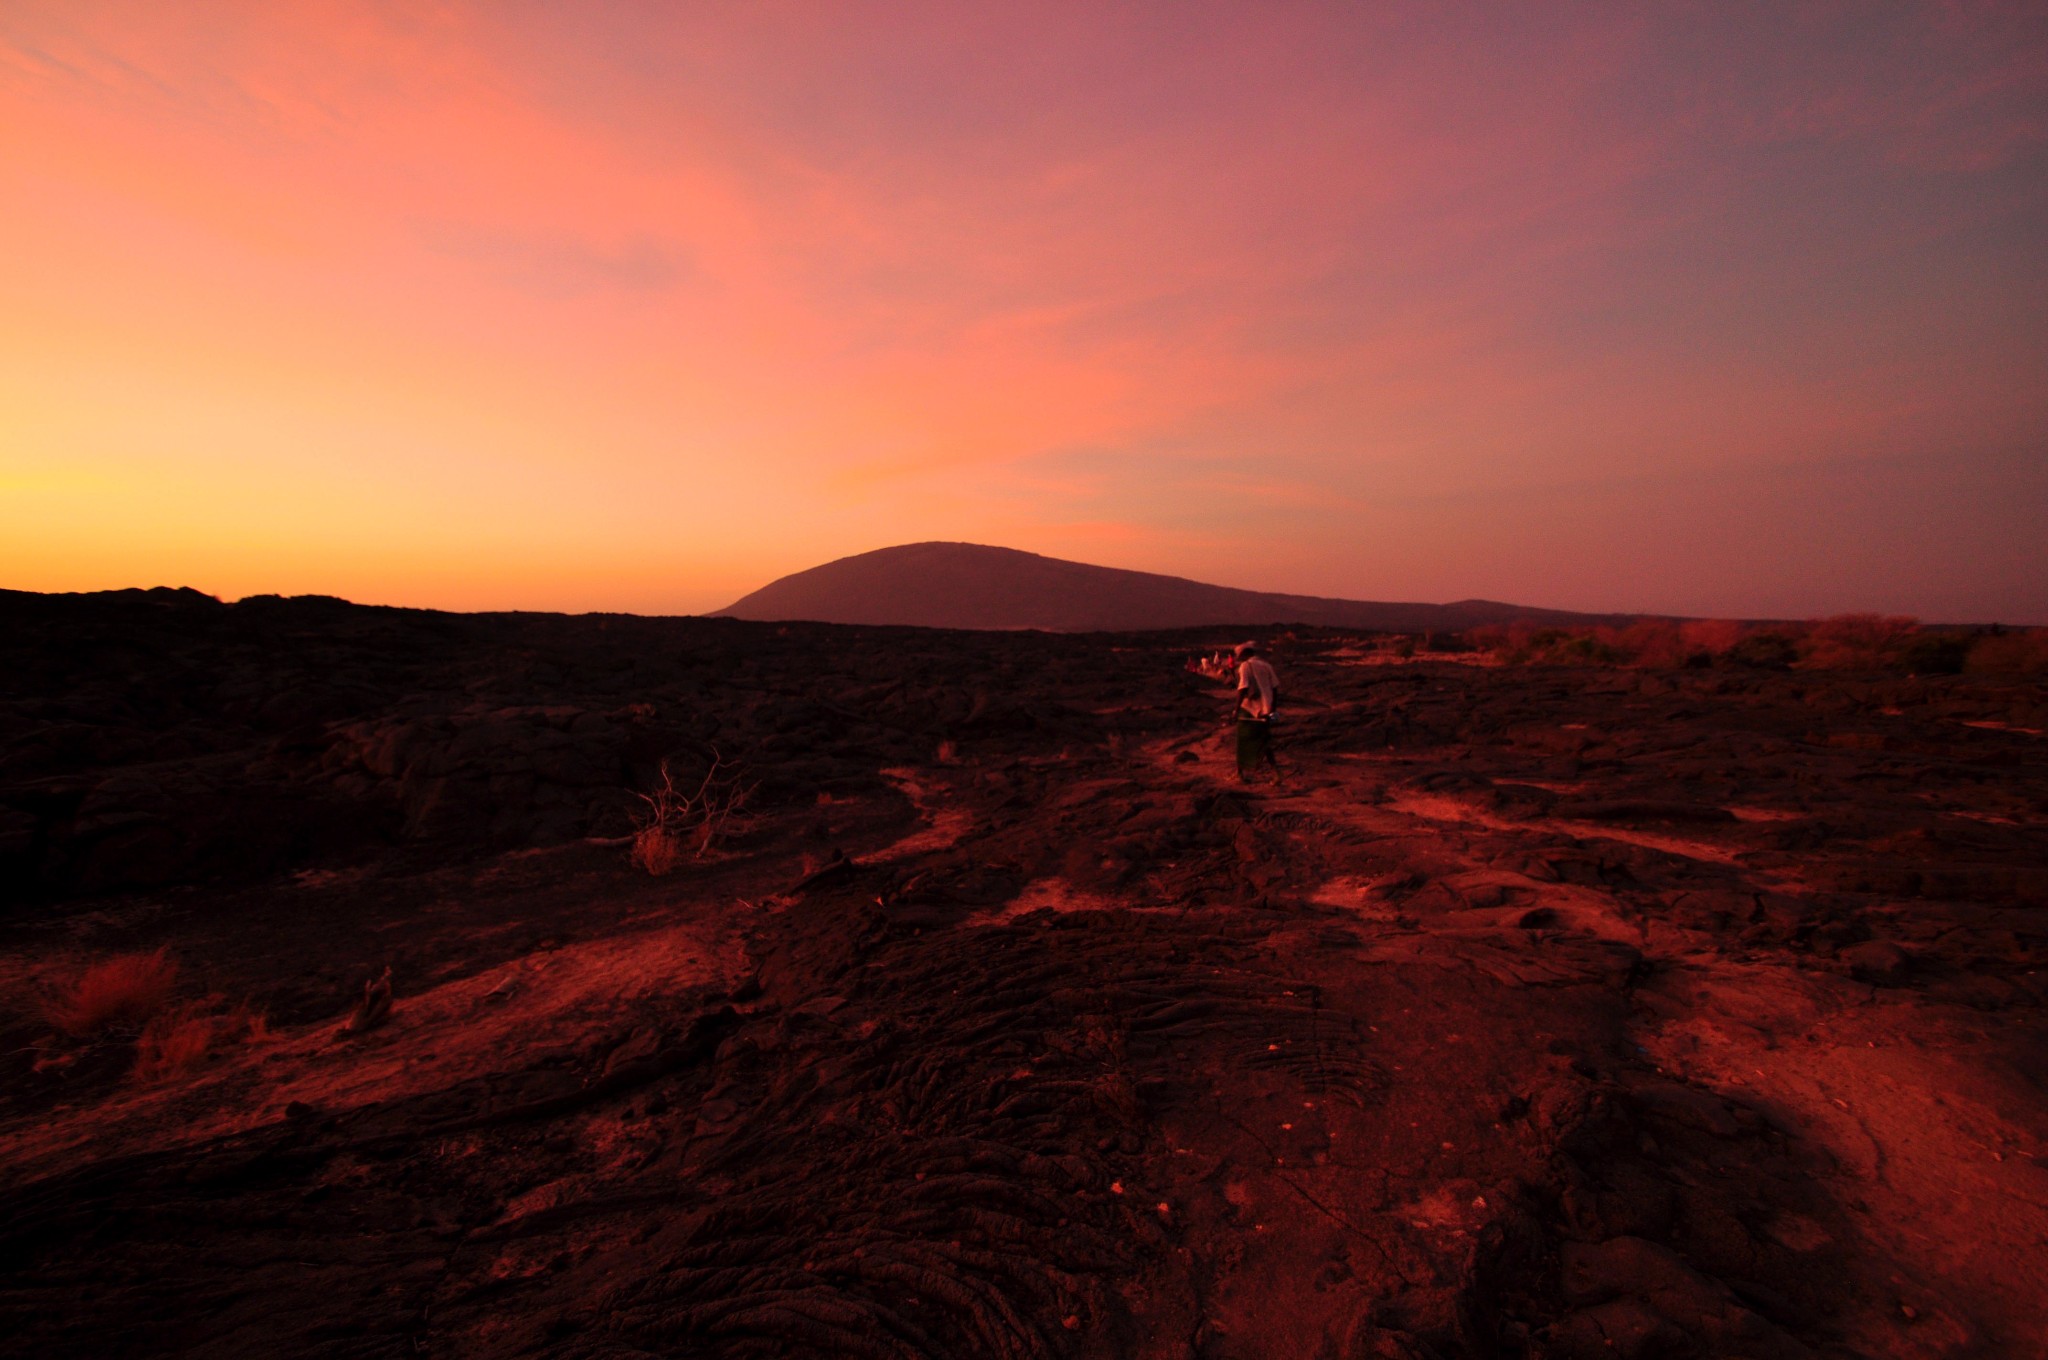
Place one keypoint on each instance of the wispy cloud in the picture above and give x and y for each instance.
(559, 265)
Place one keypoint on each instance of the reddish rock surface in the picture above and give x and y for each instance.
(1537, 1012)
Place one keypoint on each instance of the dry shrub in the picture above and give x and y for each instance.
(174, 1043)
(1709, 636)
(656, 850)
(1867, 642)
(1936, 653)
(1498, 638)
(1858, 642)
(1524, 644)
(2009, 653)
(177, 1041)
(1653, 643)
(1666, 644)
(123, 991)
(1647, 642)
(678, 823)
(1768, 649)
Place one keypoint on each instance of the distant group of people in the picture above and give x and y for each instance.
(1257, 703)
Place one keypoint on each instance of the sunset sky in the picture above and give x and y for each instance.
(1699, 308)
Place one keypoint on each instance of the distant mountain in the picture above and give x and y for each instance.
(967, 585)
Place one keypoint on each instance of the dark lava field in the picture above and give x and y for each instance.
(1534, 1012)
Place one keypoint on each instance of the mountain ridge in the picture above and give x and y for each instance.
(940, 584)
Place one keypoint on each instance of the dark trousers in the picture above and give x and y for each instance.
(1254, 744)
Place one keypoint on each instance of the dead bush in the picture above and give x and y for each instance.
(254, 1026)
(1571, 647)
(1666, 644)
(678, 824)
(656, 850)
(1709, 636)
(1858, 642)
(1865, 642)
(1523, 644)
(176, 1041)
(1767, 650)
(2009, 653)
(123, 991)
(1655, 644)
(1936, 653)
(1503, 640)
(173, 1043)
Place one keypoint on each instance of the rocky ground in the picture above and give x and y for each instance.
(1536, 1012)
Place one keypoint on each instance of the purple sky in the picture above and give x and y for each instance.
(1709, 309)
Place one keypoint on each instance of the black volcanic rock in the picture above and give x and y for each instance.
(968, 585)
(1001, 1019)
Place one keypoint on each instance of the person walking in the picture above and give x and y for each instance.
(1258, 697)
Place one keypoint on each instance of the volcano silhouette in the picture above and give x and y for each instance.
(970, 585)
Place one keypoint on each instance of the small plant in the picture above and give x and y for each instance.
(1769, 651)
(1937, 653)
(677, 824)
(254, 1025)
(174, 1043)
(1519, 645)
(1652, 644)
(1859, 642)
(1711, 637)
(949, 753)
(2016, 652)
(375, 1007)
(178, 1040)
(657, 850)
(123, 991)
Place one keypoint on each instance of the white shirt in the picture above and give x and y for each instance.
(1257, 685)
